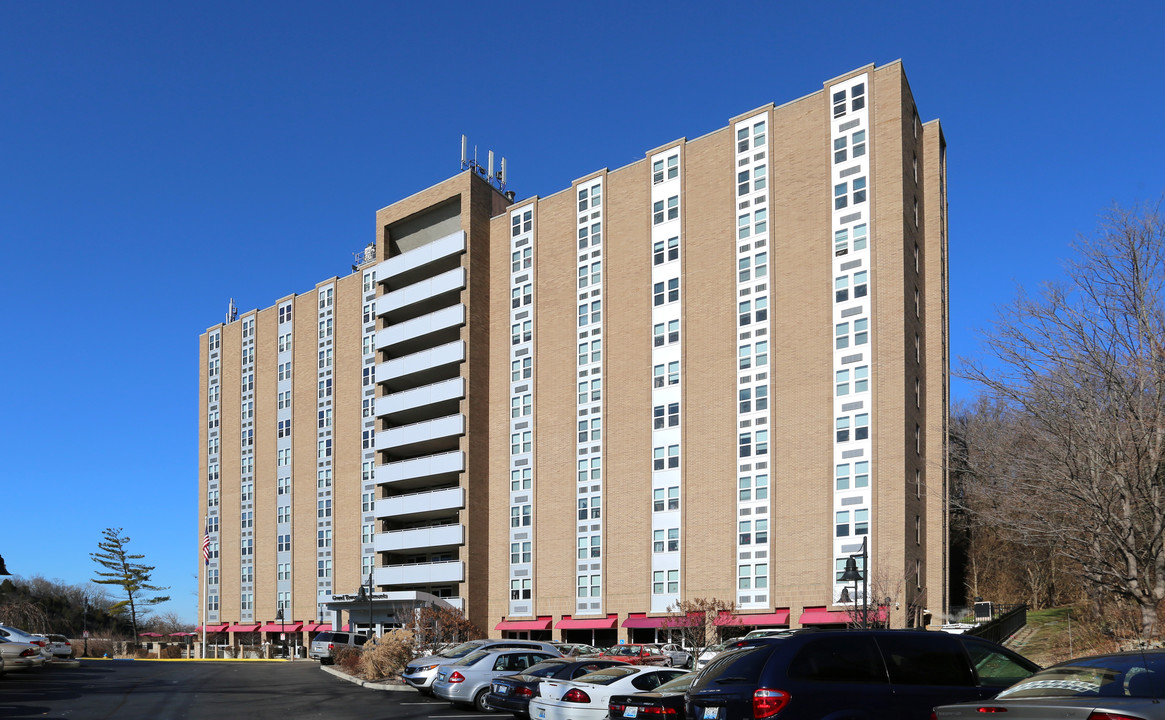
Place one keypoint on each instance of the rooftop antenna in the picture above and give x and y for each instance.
(497, 179)
(232, 311)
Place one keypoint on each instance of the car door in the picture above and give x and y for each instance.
(840, 673)
(926, 669)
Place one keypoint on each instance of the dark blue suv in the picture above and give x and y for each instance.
(852, 675)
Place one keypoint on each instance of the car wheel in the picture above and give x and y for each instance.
(481, 701)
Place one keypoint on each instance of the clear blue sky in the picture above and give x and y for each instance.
(158, 158)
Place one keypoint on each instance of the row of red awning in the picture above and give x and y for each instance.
(780, 618)
(268, 627)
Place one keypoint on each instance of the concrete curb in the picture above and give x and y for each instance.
(384, 686)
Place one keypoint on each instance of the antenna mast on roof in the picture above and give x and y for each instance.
(497, 179)
(232, 311)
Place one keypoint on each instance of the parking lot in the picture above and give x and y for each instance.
(205, 690)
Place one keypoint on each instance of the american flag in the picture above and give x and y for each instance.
(206, 548)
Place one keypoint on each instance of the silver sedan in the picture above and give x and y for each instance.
(1120, 685)
(467, 681)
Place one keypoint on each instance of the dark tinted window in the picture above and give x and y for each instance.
(545, 668)
(587, 668)
(838, 658)
(650, 681)
(340, 638)
(995, 666)
(924, 659)
(737, 667)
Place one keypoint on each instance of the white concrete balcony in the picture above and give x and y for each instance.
(439, 392)
(422, 436)
(426, 468)
(426, 538)
(412, 331)
(421, 256)
(421, 363)
(421, 292)
(456, 602)
(450, 571)
(431, 503)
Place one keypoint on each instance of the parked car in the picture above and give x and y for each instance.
(512, 693)
(20, 655)
(323, 646)
(467, 681)
(678, 656)
(577, 649)
(421, 672)
(59, 646)
(586, 698)
(710, 652)
(636, 654)
(667, 699)
(17, 635)
(1119, 685)
(812, 674)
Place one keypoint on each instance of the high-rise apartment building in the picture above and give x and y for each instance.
(718, 372)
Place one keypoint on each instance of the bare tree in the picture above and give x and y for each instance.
(438, 625)
(699, 622)
(1078, 371)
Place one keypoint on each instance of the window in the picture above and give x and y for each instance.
(324, 448)
(663, 375)
(668, 169)
(862, 474)
(666, 292)
(325, 388)
(283, 514)
(283, 428)
(325, 358)
(214, 342)
(282, 486)
(520, 516)
(324, 508)
(591, 353)
(666, 333)
(590, 470)
(284, 313)
(323, 568)
(521, 332)
(665, 251)
(666, 540)
(283, 457)
(590, 431)
(521, 222)
(521, 369)
(323, 538)
(842, 427)
(587, 275)
(366, 501)
(367, 439)
(521, 259)
(857, 96)
(665, 416)
(325, 298)
(665, 457)
(839, 566)
(247, 547)
(664, 210)
(665, 499)
(521, 442)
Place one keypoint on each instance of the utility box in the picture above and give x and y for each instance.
(983, 612)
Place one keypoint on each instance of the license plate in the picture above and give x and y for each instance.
(501, 689)
(630, 711)
(711, 713)
(541, 713)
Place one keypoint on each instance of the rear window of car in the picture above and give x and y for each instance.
(838, 658)
(735, 667)
(918, 658)
(606, 676)
(995, 666)
(1104, 676)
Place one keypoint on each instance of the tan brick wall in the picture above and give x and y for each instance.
(266, 350)
(347, 428)
(304, 350)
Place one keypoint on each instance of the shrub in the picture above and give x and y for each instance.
(171, 651)
(388, 656)
(347, 659)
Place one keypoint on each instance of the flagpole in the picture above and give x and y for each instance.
(205, 587)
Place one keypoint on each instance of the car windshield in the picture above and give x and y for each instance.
(679, 685)
(1105, 676)
(626, 650)
(606, 676)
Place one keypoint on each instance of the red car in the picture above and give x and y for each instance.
(637, 655)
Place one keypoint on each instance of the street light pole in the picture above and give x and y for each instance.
(366, 594)
(282, 630)
(852, 573)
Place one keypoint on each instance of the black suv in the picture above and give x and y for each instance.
(852, 675)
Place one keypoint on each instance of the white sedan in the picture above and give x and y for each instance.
(585, 698)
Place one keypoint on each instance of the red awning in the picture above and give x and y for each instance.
(821, 616)
(150, 634)
(542, 623)
(214, 628)
(242, 628)
(285, 627)
(780, 617)
(316, 627)
(570, 623)
(640, 620)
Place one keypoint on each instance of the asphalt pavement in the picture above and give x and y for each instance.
(206, 690)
